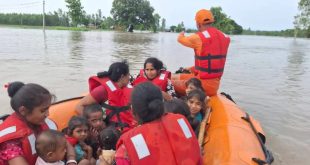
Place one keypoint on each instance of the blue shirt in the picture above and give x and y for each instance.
(198, 117)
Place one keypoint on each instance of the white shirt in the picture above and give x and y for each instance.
(40, 161)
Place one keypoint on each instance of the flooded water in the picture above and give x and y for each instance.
(265, 75)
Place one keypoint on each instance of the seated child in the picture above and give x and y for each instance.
(77, 133)
(196, 103)
(94, 115)
(178, 106)
(51, 147)
(193, 83)
(107, 142)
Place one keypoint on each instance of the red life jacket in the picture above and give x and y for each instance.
(210, 62)
(161, 80)
(15, 128)
(169, 140)
(118, 109)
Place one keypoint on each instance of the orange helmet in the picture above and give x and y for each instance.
(204, 16)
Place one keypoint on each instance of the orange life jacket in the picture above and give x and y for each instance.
(169, 140)
(15, 128)
(210, 62)
(161, 80)
(118, 109)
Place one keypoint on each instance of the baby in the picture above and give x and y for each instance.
(51, 147)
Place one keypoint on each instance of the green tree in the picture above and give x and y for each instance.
(224, 23)
(156, 22)
(172, 28)
(107, 23)
(63, 18)
(76, 12)
(163, 24)
(302, 20)
(136, 12)
(180, 27)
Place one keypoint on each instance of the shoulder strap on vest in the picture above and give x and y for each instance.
(116, 110)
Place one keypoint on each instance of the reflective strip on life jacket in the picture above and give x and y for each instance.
(111, 85)
(162, 76)
(141, 148)
(51, 124)
(185, 128)
(7, 131)
(206, 34)
(32, 142)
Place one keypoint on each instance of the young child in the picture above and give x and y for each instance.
(195, 101)
(107, 142)
(193, 83)
(94, 115)
(178, 106)
(77, 133)
(51, 148)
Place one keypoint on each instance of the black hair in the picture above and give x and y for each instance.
(74, 122)
(196, 82)
(200, 95)
(115, 72)
(48, 141)
(157, 64)
(178, 106)
(147, 102)
(108, 138)
(91, 109)
(28, 95)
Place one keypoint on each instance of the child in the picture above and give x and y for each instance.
(178, 106)
(195, 101)
(107, 141)
(193, 83)
(51, 148)
(77, 133)
(94, 115)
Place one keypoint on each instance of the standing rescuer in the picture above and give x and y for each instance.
(210, 46)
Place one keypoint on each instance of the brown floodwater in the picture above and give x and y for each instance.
(266, 76)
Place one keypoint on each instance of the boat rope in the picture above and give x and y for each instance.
(61, 101)
(228, 96)
(267, 153)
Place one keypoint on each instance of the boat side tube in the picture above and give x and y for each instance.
(268, 154)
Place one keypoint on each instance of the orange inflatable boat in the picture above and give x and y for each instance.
(228, 135)
(231, 136)
(62, 111)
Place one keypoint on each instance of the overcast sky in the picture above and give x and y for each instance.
(258, 15)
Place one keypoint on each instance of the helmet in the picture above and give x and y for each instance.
(204, 16)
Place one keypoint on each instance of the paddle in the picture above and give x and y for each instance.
(203, 126)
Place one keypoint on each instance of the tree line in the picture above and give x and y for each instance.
(138, 13)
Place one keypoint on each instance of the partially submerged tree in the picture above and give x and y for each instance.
(76, 12)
